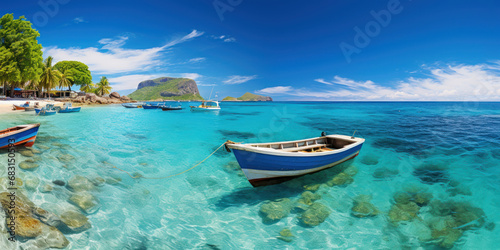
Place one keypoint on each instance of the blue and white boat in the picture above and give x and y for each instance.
(19, 135)
(150, 106)
(47, 110)
(132, 105)
(271, 163)
(68, 108)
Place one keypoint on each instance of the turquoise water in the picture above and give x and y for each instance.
(450, 150)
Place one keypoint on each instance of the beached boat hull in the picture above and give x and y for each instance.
(21, 135)
(17, 107)
(263, 167)
(70, 110)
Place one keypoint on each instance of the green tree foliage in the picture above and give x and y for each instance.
(79, 72)
(50, 77)
(20, 53)
(103, 87)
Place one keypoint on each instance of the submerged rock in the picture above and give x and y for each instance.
(315, 214)
(80, 183)
(26, 152)
(403, 212)
(46, 188)
(275, 210)
(113, 180)
(27, 226)
(308, 198)
(312, 187)
(286, 235)
(370, 159)
(431, 173)
(59, 182)
(385, 173)
(75, 221)
(32, 182)
(351, 170)
(85, 201)
(28, 165)
(340, 179)
(65, 157)
(363, 208)
(98, 181)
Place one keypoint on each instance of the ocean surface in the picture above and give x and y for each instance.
(449, 151)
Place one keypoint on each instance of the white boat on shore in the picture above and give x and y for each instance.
(132, 105)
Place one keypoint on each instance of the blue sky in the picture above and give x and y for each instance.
(290, 50)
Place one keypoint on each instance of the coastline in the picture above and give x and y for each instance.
(6, 105)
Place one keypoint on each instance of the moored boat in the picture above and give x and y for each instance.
(167, 108)
(19, 135)
(271, 163)
(132, 105)
(68, 108)
(47, 110)
(206, 106)
(150, 106)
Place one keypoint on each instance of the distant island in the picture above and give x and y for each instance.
(179, 89)
(248, 97)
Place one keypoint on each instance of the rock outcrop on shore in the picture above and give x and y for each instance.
(91, 98)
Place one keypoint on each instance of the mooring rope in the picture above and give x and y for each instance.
(170, 176)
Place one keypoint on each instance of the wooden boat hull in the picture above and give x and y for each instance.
(17, 107)
(22, 135)
(264, 167)
(70, 110)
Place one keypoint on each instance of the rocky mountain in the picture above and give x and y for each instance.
(167, 88)
(248, 97)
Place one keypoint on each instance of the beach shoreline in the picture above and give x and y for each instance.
(6, 105)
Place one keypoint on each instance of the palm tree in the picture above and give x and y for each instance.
(50, 76)
(88, 88)
(66, 80)
(103, 87)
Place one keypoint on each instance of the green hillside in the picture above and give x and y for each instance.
(179, 89)
(249, 97)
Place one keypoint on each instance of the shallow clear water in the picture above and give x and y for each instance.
(214, 206)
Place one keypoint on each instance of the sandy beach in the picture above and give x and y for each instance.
(6, 105)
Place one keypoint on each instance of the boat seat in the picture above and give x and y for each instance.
(303, 147)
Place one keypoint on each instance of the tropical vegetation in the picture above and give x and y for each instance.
(22, 64)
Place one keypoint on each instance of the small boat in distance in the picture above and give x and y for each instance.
(20, 107)
(167, 108)
(68, 108)
(132, 105)
(47, 110)
(272, 163)
(19, 135)
(150, 106)
(206, 106)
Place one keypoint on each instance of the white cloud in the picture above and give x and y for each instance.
(225, 38)
(193, 76)
(451, 83)
(321, 80)
(111, 58)
(205, 85)
(197, 60)
(78, 20)
(129, 81)
(275, 90)
(236, 79)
